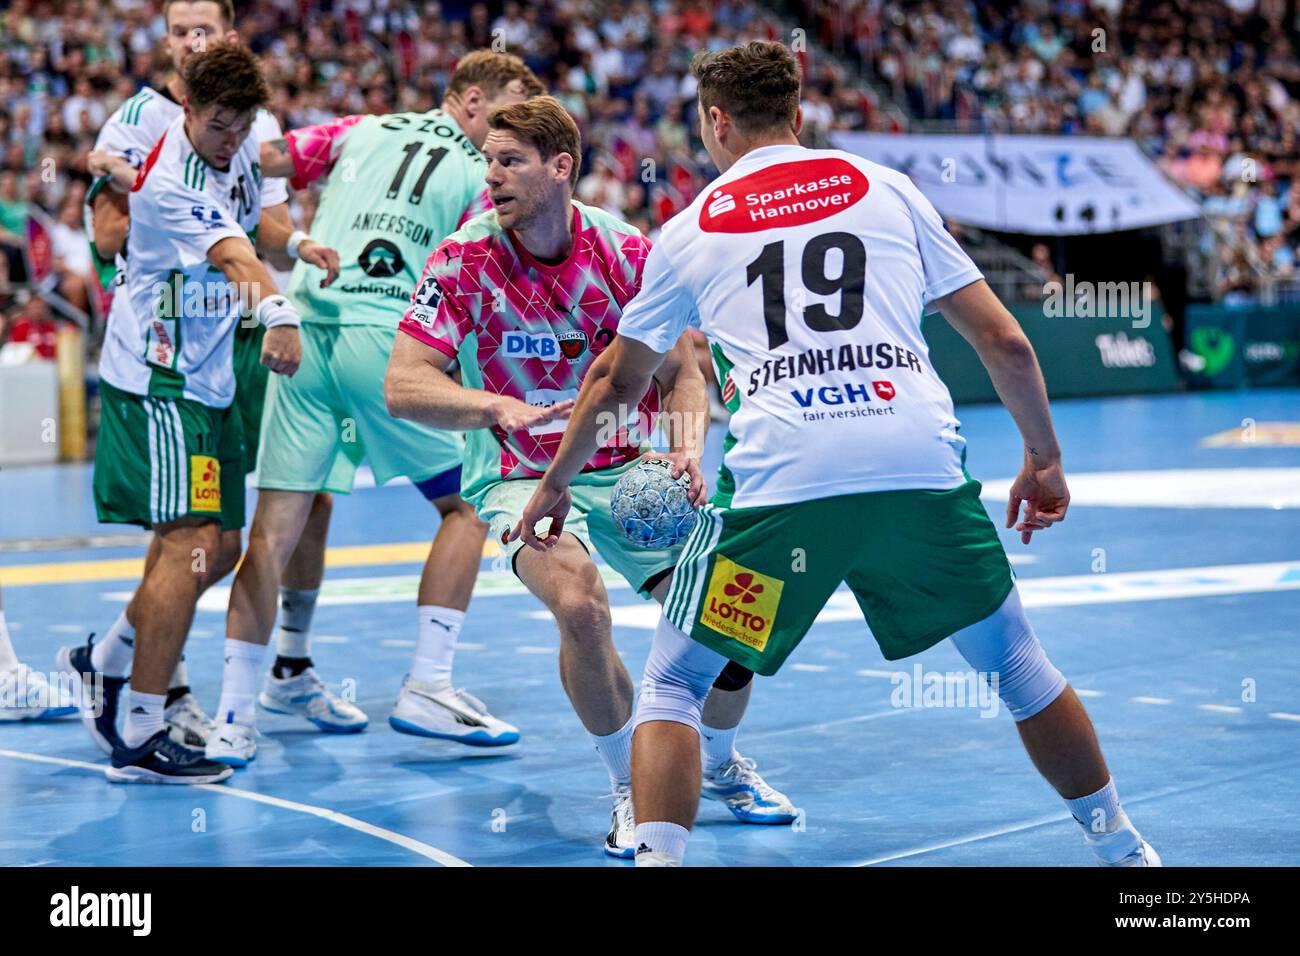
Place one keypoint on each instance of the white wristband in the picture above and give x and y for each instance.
(295, 239)
(276, 310)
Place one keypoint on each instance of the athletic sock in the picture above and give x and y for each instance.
(144, 717)
(112, 656)
(1105, 824)
(239, 682)
(717, 746)
(293, 636)
(436, 644)
(660, 844)
(8, 659)
(180, 678)
(616, 753)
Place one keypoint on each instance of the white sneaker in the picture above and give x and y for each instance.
(307, 696)
(1144, 855)
(746, 794)
(1121, 846)
(233, 744)
(448, 714)
(621, 841)
(26, 694)
(187, 724)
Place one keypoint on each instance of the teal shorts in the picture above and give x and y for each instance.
(319, 425)
(590, 521)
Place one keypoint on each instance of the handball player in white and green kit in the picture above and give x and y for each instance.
(171, 444)
(809, 271)
(395, 186)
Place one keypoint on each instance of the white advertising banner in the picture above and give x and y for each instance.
(1041, 185)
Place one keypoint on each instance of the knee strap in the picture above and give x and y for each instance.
(678, 676)
(1004, 644)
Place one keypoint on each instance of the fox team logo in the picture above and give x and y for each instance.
(572, 343)
(741, 603)
(884, 389)
(205, 484)
(380, 259)
(788, 194)
(526, 345)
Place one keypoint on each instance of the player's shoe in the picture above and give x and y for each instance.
(232, 744)
(646, 857)
(307, 696)
(96, 694)
(621, 840)
(448, 714)
(188, 725)
(1122, 845)
(1145, 855)
(160, 759)
(27, 695)
(746, 794)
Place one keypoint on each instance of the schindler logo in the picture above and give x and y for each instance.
(134, 910)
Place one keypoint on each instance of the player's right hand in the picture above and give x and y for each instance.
(514, 415)
(1045, 496)
(282, 349)
(323, 257)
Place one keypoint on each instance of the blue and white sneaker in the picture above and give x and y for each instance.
(188, 725)
(232, 744)
(160, 759)
(96, 694)
(307, 696)
(746, 794)
(448, 713)
(621, 840)
(26, 694)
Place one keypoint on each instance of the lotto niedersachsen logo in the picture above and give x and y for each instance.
(741, 603)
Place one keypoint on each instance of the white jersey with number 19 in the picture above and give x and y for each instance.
(809, 272)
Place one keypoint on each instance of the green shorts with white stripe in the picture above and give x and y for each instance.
(161, 459)
(921, 565)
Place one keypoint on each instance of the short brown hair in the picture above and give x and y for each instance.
(492, 72)
(227, 9)
(544, 123)
(227, 76)
(757, 85)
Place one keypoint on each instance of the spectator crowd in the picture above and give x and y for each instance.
(1211, 87)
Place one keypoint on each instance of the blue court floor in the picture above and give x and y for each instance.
(1170, 597)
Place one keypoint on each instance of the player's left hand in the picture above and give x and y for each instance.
(684, 464)
(1043, 492)
(546, 502)
(282, 350)
(322, 257)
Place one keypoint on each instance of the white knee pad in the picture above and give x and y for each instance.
(678, 676)
(1004, 644)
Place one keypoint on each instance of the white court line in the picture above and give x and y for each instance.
(397, 642)
(1219, 708)
(323, 813)
(811, 668)
(534, 649)
(330, 639)
(1277, 715)
(813, 728)
(1089, 693)
(1151, 700)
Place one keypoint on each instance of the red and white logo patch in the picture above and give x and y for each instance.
(884, 389)
(788, 194)
(728, 389)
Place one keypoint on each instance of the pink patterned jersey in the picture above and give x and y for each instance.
(522, 328)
